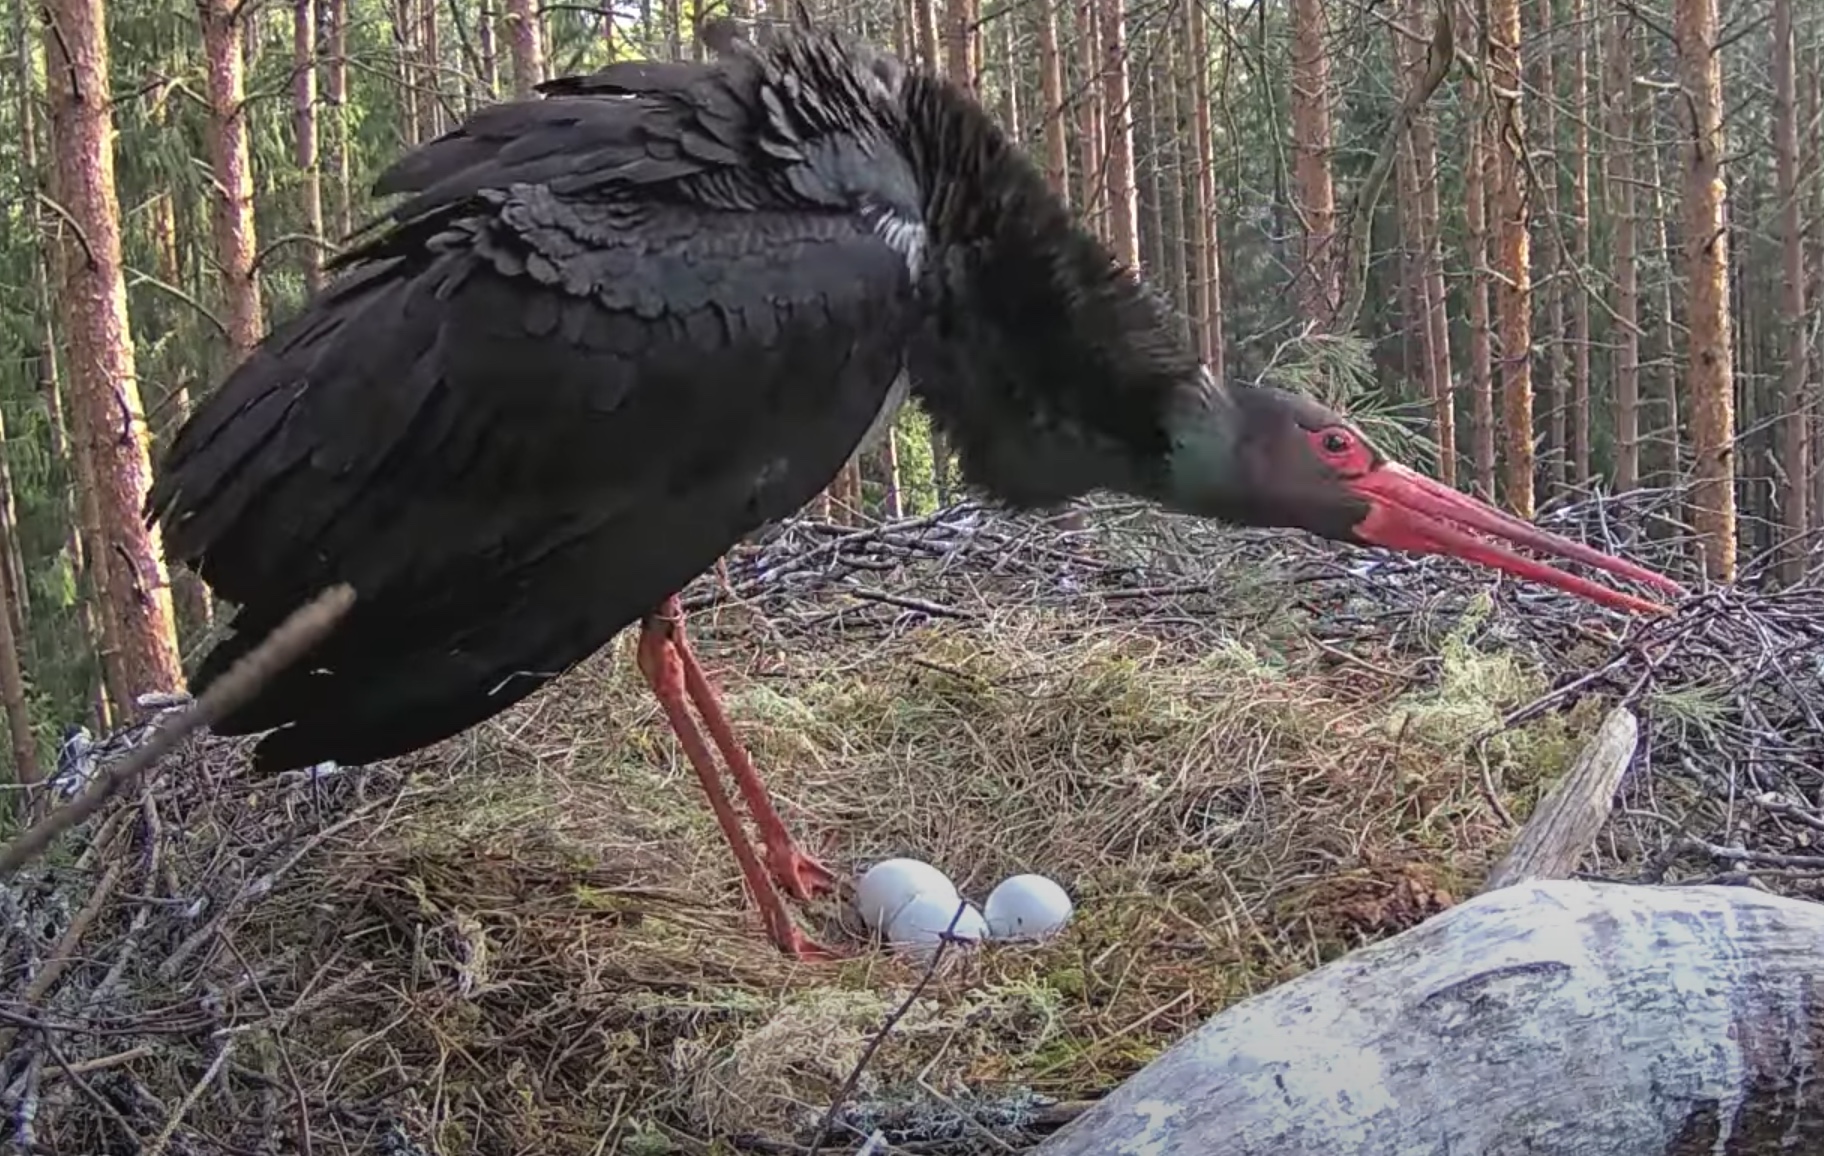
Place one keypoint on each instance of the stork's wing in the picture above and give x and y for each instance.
(604, 338)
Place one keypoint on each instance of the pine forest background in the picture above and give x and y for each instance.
(1539, 246)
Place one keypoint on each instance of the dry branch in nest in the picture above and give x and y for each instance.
(1244, 753)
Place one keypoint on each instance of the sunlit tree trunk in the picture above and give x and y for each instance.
(110, 423)
(304, 113)
(1513, 257)
(1051, 91)
(1174, 174)
(81, 518)
(235, 240)
(1620, 183)
(1320, 279)
(528, 45)
(335, 36)
(1206, 281)
(1123, 211)
(1795, 441)
(1709, 374)
(486, 48)
(430, 77)
(1092, 201)
(405, 69)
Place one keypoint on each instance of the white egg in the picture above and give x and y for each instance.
(919, 926)
(1027, 907)
(888, 886)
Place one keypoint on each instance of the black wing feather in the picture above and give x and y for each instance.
(557, 388)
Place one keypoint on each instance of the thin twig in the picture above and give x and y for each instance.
(304, 628)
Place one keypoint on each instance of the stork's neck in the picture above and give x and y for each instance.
(1051, 368)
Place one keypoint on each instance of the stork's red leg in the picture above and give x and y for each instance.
(800, 874)
(661, 662)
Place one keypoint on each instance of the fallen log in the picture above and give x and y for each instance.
(1549, 1018)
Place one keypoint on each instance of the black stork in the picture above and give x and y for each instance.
(611, 330)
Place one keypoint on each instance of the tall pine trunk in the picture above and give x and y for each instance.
(110, 427)
(1795, 441)
(1581, 227)
(1513, 257)
(1320, 277)
(1709, 373)
(235, 240)
(528, 47)
(1206, 280)
(304, 121)
(1117, 103)
(1623, 211)
(1475, 214)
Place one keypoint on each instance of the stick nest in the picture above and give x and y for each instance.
(1244, 755)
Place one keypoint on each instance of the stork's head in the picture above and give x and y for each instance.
(1277, 459)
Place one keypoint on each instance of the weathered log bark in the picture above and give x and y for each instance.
(1551, 1018)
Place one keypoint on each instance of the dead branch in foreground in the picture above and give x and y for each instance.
(301, 630)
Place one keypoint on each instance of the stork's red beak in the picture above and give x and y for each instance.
(1408, 511)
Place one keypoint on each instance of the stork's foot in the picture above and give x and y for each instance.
(802, 876)
(668, 664)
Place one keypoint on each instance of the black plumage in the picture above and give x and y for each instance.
(608, 332)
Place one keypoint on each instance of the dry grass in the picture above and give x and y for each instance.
(533, 940)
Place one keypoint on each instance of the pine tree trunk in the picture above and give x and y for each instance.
(1320, 280)
(1556, 394)
(1421, 207)
(1668, 431)
(1092, 201)
(1709, 375)
(1010, 80)
(335, 35)
(528, 44)
(1051, 90)
(405, 68)
(1117, 104)
(490, 53)
(110, 424)
(1475, 215)
(1795, 441)
(1581, 227)
(430, 77)
(304, 97)
(235, 240)
(12, 680)
(1622, 210)
(1513, 257)
(37, 179)
(12, 558)
(1206, 281)
(1174, 180)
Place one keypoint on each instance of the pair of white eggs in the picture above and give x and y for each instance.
(912, 904)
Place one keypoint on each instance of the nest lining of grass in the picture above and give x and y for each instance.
(1241, 758)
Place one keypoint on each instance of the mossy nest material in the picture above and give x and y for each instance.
(533, 939)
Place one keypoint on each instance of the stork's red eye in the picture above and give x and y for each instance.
(1341, 450)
